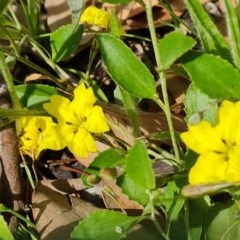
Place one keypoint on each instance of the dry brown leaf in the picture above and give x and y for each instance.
(56, 214)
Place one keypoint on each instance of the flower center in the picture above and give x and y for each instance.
(229, 147)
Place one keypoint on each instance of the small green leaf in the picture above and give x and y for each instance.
(125, 68)
(34, 95)
(198, 106)
(222, 222)
(213, 75)
(211, 39)
(76, 7)
(109, 158)
(173, 46)
(138, 166)
(65, 40)
(133, 191)
(5, 232)
(104, 225)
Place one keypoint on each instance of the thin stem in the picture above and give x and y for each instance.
(9, 81)
(163, 80)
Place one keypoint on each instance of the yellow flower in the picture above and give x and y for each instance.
(95, 16)
(218, 147)
(37, 134)
(77, 119)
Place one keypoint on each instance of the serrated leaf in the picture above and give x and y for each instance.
(138, 166)
(34, 95)
(5, 232)
(108, 158)
(103, 225)
(213, 75)
(125, 68)
(173, 46)
(133, 191)
(198, 106)
(76, 7)
(65, 40)
(212, 40)
(221, 222)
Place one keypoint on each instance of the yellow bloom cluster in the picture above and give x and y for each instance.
(77, 120)
(218, 147)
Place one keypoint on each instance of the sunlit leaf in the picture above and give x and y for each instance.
(173, 46)
(5, 232)
(125, 68)
(65, 40)
(213, 75)
(138, 166)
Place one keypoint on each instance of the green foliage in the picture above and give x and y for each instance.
(76, 7)
(173, 46)
(203, 109)
(212, 40)
(64, 41)
(34, 95)
(138, 166)
(107, 225)
(222, 222)
(4, 4)
(213, 75)
(125, 68)
(5, 233)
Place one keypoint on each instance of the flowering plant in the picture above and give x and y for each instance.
(181, 172)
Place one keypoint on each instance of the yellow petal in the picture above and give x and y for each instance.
(228, 121)
(203, 138)
(59, 108)
(209, 168)
(97, 122)
(233, 171)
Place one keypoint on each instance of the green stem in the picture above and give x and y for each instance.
(9, 81)
(163, 80)
(15, 113)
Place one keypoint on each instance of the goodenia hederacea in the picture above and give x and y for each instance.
(212, 40)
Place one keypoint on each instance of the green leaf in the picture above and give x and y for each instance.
(107, 159)
(103, 225)
(34, 95)
(3, 5)
(213, 75)
(221, 222)
(198, 106)
(76, 7)
(64, 41)
(125, 68)
(211, 39)
(173, 46)
(138, 166)
(5, 232)
(133, 191)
